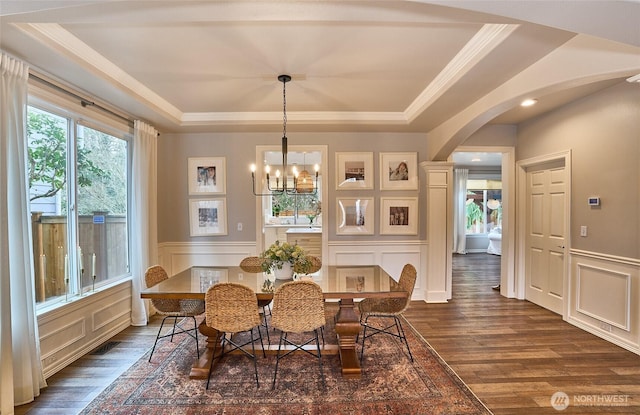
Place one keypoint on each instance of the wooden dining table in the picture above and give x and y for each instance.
(343, 284)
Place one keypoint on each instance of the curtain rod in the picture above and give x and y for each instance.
(84, 102)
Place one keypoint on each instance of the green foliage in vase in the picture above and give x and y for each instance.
(279, 253)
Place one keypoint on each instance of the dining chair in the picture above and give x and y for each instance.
(254, 264)
(175, 309)
(316, 264)
(232, 308)
(386, 308)
(298, 308)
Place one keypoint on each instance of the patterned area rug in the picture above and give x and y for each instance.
(390, 383)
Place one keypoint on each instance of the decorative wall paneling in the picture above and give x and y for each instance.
(605, 297)
(67, 333)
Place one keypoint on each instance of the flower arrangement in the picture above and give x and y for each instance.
(279, 253)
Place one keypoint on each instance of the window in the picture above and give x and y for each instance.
(79, 213)
(296, 206)
(483, 206)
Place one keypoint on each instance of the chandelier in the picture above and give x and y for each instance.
(302, 181)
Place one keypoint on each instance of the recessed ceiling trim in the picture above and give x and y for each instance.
(483, 42)
(300, 117)
(55, 36)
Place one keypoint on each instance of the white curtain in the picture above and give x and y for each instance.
(460, 177)
(144, 239)
(21, 375)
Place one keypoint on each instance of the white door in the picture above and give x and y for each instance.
(546, 232)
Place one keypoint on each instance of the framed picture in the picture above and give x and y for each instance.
(354, 171)
(399, 171)
(207, 175)
(208, 217)
(355, 280)
(398, 215)
(355, 216)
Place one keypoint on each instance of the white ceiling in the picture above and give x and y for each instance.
(356, 65)
(473, 159)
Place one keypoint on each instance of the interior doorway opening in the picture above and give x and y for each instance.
(491, 229)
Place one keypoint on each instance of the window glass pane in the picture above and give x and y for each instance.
(102, 206)
(494, 209)
(47, 136)
(474, 209)
(300, 207)
(483, 206)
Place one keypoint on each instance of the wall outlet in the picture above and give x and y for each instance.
(605, 327)
(239, 226)
(583, 231)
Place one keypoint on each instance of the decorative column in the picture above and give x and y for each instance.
(439, 230)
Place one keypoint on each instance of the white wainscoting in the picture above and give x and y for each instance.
(68, 333)
(178, 256)
(392, 256)
(605, 297)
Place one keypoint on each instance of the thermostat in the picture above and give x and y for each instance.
(594, 201)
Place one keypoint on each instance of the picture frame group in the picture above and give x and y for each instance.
(355, 216)
(398, 170)
(207, 176)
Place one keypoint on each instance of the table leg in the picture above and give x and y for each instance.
(200, 369)
(347, 328)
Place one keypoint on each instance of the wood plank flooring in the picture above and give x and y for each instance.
(513, 354)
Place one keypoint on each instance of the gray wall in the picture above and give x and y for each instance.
(493, 135)
(601, 130)
(239, 150)
(603, 133)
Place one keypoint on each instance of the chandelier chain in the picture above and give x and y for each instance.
(302, 186)
(284, 109)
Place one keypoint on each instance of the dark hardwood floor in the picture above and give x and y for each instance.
(513, 354)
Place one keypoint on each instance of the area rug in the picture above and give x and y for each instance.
(390, 384)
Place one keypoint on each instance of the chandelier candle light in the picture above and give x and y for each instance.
(302, 182)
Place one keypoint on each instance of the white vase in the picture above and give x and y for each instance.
(284, 273)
